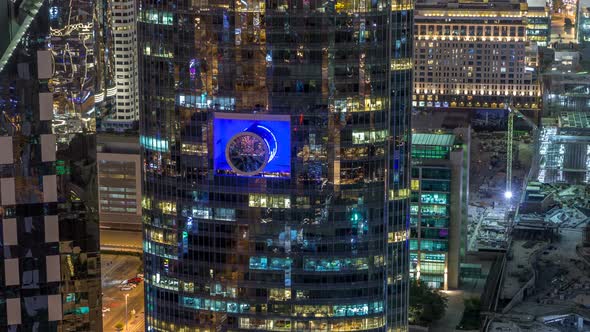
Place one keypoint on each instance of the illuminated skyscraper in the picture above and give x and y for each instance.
(275, 141)
(121, 59)
(50, 269)
(117, 89)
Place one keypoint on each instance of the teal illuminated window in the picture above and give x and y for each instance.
(436, 173)
(432, 185)
(361, 309)
(156, 17)
(152, 143)
(413, 244)
(432, 278)
(413, 209)
(274, 263)
(430, 152)
(413, 221)
(213, 305)
(434, 233)
(433, 245)
(431, 267)
(258, 263)
(335, 264)
(435, 198)
(77, 311)
(435, 222)
(432, 257)
(434, 210)
(279, 263)
(71, 297)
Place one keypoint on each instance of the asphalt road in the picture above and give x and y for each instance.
(112, 238)
(115, 269)
(558, 29)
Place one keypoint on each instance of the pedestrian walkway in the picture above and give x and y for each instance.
(452, 315)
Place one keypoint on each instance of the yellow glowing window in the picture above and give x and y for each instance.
(146, 203)
(167, 207)
(399, 194)
(398, 236)
(415, 185)
(402, 64)
(269, 201)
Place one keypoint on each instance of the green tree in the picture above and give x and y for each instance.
(426, 304)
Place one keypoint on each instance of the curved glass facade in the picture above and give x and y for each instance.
(275, 138)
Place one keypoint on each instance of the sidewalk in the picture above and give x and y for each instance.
(452, 315)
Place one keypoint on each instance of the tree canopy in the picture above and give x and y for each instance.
(426, 304)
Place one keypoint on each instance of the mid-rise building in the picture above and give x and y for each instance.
(50, 262)
(440, 186)
(119, 182)
(275, 141)
(472, 55)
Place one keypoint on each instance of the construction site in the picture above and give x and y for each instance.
(544, 283)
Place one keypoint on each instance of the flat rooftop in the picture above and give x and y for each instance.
(574, 120)
(433, 139)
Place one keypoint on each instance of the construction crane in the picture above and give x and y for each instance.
(509, 147)
(510, 143)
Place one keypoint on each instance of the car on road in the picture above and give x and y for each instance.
(105, 309)
(135, 280)
(140, 275)
(126, 288)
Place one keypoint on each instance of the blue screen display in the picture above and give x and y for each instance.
(258, 147)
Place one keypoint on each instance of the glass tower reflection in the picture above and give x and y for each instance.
(50, 265)
(275, 139)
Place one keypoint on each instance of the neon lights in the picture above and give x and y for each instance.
(252, 145)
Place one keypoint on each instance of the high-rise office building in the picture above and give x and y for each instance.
(440, 186)
(275, 141)
(472, 55)
(50, 270)
(119, 58)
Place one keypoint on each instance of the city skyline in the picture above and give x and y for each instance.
(295, 165)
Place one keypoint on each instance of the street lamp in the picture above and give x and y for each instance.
(126, 316)
(508, 194)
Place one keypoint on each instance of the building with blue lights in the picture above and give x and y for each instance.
(438, 208)
(275, 143)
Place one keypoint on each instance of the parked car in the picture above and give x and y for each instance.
(140, 275)
(105, 309)
(126, 288)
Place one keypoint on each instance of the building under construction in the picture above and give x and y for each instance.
(564, 149)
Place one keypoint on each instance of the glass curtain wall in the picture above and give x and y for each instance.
(275, 139)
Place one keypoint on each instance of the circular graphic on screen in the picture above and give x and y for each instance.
(247, 153)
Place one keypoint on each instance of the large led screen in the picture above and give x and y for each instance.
(252, 145)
